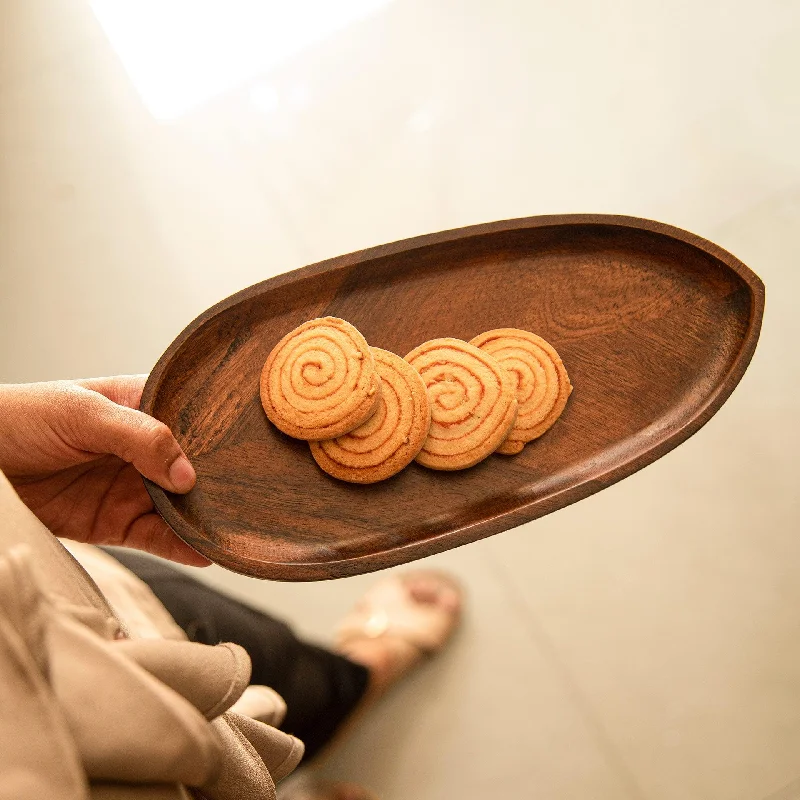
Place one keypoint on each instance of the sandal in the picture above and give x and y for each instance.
(399, 621)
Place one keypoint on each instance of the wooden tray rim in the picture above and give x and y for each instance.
(539, 507)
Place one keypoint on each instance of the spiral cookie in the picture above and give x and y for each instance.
(320, 380)
(472, 403)
(391, 438)
(542, 383)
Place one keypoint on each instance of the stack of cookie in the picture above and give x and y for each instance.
(367, 413)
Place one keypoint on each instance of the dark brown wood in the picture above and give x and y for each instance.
(656, 327)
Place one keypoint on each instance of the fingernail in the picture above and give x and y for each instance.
(181, 474)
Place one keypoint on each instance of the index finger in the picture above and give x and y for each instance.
(125, 390)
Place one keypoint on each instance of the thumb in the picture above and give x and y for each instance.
(105, 427)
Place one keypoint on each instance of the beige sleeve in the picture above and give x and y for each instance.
(140, 612)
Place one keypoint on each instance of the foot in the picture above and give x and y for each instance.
(398, 622)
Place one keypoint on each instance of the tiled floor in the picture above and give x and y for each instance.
(644, 643)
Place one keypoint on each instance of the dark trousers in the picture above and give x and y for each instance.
(320, 688)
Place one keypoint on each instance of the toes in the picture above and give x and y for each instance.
(449, 599)
(430, 589)
(423, 591)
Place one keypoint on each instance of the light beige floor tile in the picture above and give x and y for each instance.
(672, 598)
(502, 719)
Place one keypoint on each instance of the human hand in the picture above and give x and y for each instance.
(74, 451)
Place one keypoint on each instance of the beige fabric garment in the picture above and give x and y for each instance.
(139, 611)
(116, 791)
(219, 675)
(38, 757)
(91, 678)
(86, 711)
(143, 616)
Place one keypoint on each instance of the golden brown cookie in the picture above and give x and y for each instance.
(391, 438)
(319, 381)
(541, 382)
(473, 406)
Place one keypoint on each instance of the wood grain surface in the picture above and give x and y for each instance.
(656, 327)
